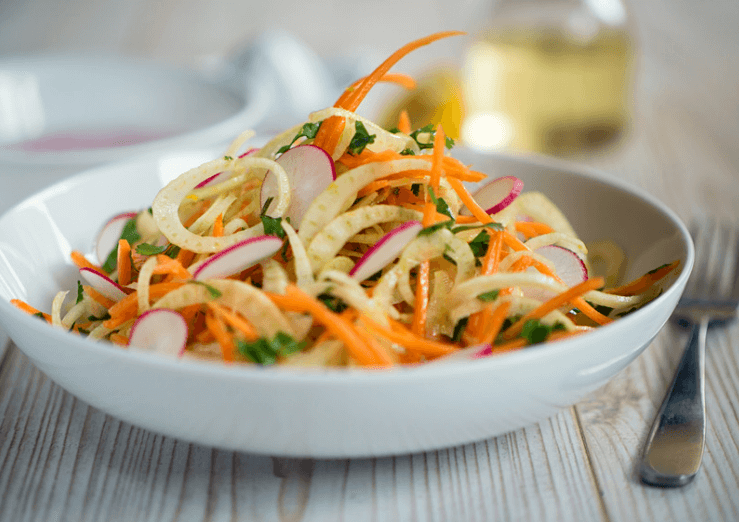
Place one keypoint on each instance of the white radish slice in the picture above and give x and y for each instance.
(470, 353)
(567, 264)
(103, 284)
(310, 170)
(386, 250)
(238, 257)
(160, 331)
(221, 176)
(107, 238)
(497, 195)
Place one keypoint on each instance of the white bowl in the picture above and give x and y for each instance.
(328, 413)
(84, 110)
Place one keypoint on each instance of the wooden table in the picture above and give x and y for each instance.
(63, 460)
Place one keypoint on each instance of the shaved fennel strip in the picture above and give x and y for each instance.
(328, 242)
(56, 308)
(144, 280)
(303, 271)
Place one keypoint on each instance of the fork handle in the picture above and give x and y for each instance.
(673, 452)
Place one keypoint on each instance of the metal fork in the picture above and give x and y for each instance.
(674, 448)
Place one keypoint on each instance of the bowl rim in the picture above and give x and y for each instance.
(253, 104)
(272, 374)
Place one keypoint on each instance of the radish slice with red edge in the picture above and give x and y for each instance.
(160, 331)
(310, 170)
(221, 176)
(103, 284)
(497, 195)
(238, 257)
(386, 250)
(107, 238)
(471, 353)
(567, 265)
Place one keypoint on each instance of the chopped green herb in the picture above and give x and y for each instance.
(361, 139)
(452, 261)
(272, 225)
(228, 158)
(479, 244)
(655, 270)
(40, 315)
(493, 225)
(265, 352)
(429, 131)
(416, 189)
(492, 295)
(80, 292)
(441, 206)
(333, 303)
(407, 152)
(103, 317)
(534, 331)
(394, 130)
(436, 226)
(213, 291)
(173, 251)
(309, 130)
(459, 329)
(145, 249)
(130, 234)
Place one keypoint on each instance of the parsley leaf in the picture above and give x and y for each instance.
(228, 158)
(272, 225)
(80, 292)
(459, 329)
(655, 270)
(130, 234)
(441, 206)
(309, 130)
(213, 291)
(492, 295)
(493, 225)
(40, 315)
(361, 138)
(145, 249)
(479, 244)
(103, 317)
(407, 152)
(333, 303)
(534, 331)
(265, 352)
(416, 189)
(436, 226)
(429, 132)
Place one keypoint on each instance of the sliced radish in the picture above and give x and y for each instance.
(497, 195)
(107, 238)
(160, 331)
(238, 257)
(221, 176)
(567, 264)
(386, 250)
(466, 354)
(103, 284)
(310, 170)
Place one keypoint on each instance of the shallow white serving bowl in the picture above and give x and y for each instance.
(327, 413)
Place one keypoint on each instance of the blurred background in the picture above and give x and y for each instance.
(564, 77)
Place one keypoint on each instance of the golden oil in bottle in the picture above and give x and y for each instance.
(546, 88)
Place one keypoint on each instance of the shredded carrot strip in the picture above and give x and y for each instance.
(119, 339)
(185, 257)
(533, 228)
(98, 297)
(22, 305)
(127, 308)
(477, 321)
(399, 334)
(331, 129)
(167, 265)
(515, 344)
(218, 226)
(296, 300)
(492, 328)
(224, 339)
(79, 259)
(124, 262)
(644, 282)
(374, 186)
(420, 310)
(234, 320)
(469, 201)
(466, 220)
(404, 122)
(513, 242)
(554, 303)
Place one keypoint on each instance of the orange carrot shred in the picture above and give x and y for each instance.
(22, 305)
(124, 262)
(644, 282)
(79, 259)
(497, 317)
(98, 297)
(404, 122)
(224, 339)
(469, 201)
(218, 226)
